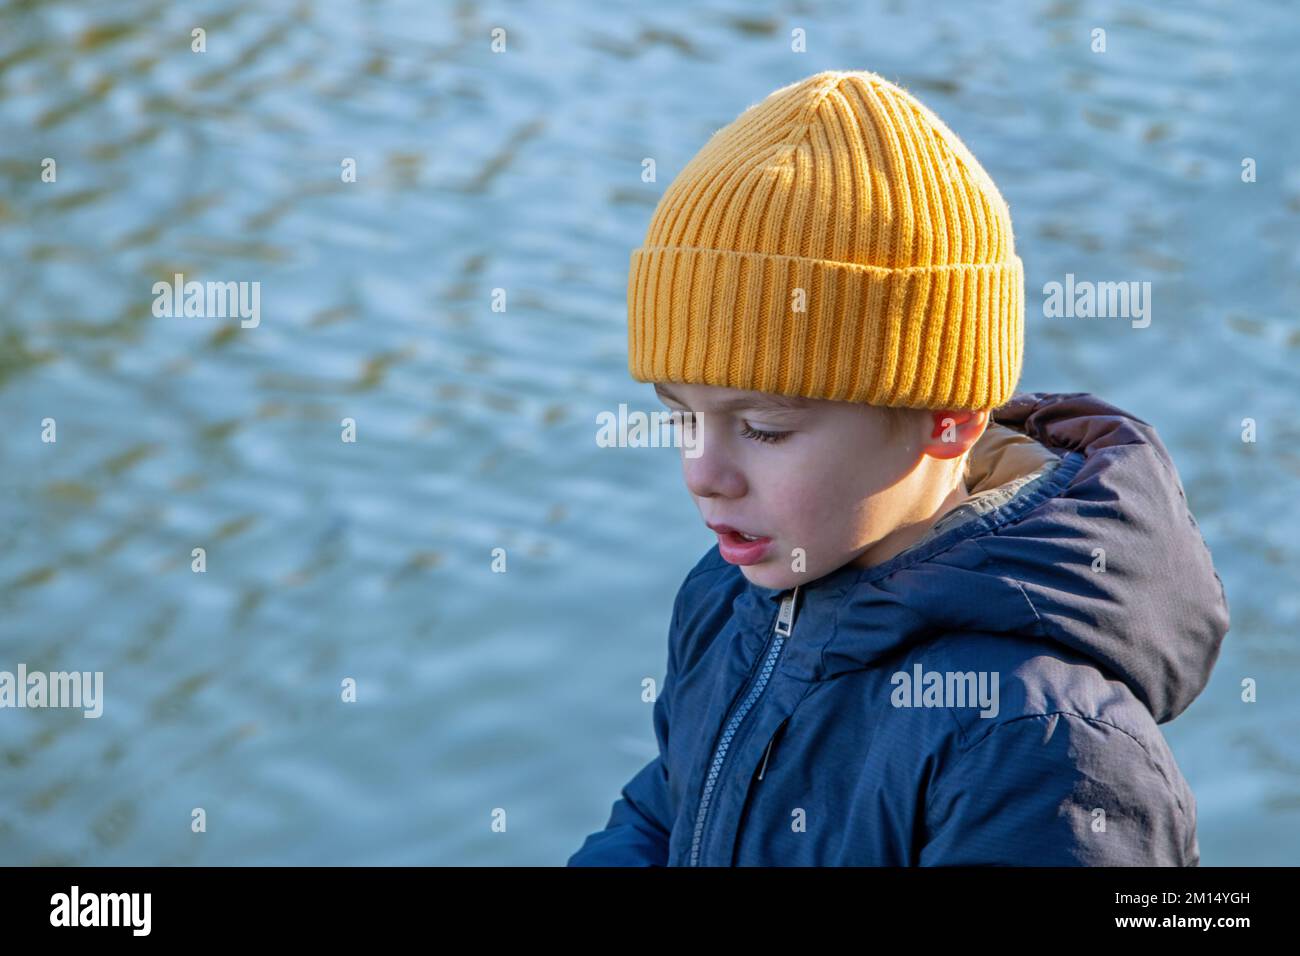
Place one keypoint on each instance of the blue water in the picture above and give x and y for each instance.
(484, 696)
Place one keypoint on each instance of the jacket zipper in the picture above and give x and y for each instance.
(784, 627)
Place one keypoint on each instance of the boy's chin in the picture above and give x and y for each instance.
(776, 578)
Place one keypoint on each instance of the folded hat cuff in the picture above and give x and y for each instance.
(948, 336)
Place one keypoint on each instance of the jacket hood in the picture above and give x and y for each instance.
(1077, 533)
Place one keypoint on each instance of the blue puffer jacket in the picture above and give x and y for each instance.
(802, 727)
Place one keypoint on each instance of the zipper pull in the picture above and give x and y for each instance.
(785, 618)
(763, 769)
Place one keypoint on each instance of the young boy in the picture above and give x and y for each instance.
(942, 621)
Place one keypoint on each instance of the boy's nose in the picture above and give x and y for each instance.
(712, 472)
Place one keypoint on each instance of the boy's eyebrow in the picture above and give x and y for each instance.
(765, 401)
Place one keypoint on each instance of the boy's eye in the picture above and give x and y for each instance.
(763, 436)
(687, 420)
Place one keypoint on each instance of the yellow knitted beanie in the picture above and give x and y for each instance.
(836, 240)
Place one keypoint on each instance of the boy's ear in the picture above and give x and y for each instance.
(955, 431)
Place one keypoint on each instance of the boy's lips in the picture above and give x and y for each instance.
(728, 529)
(738, 550)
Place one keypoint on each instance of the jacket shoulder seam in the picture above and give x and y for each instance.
(1040, 627)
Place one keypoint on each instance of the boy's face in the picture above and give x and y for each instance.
(825, 477)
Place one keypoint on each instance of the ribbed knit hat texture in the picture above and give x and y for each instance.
(836, 240)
